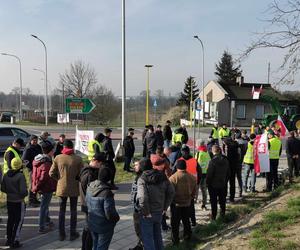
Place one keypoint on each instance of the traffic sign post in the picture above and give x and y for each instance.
(155, 107)
(79, 105)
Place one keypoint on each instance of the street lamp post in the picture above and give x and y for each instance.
(20, 68)
(46, 79)
(123, 74)
(45, 96)
(148, 66)
(196, 37)
(191, 103)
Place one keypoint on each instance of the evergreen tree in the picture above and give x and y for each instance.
(226, 71)
(190, 88)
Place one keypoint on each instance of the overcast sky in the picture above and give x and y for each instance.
(159, 32)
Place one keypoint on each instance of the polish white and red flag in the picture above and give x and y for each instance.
(256, 92)
(261, 154)
(283, 130)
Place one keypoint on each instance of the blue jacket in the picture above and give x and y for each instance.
(102, 214)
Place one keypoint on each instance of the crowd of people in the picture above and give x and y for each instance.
(168, 177)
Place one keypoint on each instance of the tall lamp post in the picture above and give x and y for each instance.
(196, 37)
(45, 96)
(148, 66)
(20, 68)
(123, 74)
(46, 79)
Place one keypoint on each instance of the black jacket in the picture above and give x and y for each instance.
(58, 148)
(292, 147)
(159, 138)
(108, 148)
(151, 142)
(167, 133)
(185, 136)
(30, 152)
(232, 151)
(129, 146)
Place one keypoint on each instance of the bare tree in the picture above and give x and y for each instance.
(79, 80)
(283, 32)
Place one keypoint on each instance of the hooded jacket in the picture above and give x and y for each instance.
(102, 214)
(155, 192)
(14, 185)
(41, 180)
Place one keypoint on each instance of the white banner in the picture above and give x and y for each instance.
(82, 139)
(262, 161)
(63, 118)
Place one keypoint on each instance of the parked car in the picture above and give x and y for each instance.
(5, 116)
(8, 134)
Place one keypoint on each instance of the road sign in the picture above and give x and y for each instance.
(198, 103)
(155, 103)
(63, 118)
(79, 105)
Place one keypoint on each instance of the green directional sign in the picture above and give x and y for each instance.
(79, 105)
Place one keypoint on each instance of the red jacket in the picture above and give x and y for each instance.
(41, 181)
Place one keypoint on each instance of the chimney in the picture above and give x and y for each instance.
(240, 80)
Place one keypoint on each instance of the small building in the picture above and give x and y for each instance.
(234, 105)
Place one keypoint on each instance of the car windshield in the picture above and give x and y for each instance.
(18, 132)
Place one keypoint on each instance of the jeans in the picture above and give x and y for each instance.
(62, 214)
(151, 232)
(44, 210)
(217, 194)
(293, 164)
(137, 226)
(272, 176)
(249, 170)
(127, 161)
(180, 214)
(203, 188)
(102, 241)
(167, 143)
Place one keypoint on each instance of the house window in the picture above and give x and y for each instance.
(259, 111)
(241, 111)
(209, 96)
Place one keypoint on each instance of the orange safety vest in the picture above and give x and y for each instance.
(191, 166)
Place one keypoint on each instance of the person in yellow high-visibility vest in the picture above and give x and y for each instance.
(95, 146)
(275, 148)
(224, 132)
(178, 136)
(248, 166)
(215, 134)
(12, 152)
(203, 158)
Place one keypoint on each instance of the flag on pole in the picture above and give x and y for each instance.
(283, 129)
(261, 154)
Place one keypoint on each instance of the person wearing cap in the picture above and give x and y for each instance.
(248, 166)
(14, 185)
(87, 175)
(12, 152)
(203, 158)
(215, 133)
(167, 134)
(224, 132)
(43, 184)
(129, 149)
(108, 149)
(95, 146)
(185, 186)
(65, 169)
(194, 169)
(275, 148)
(31, 150)
(218, 173)
(59, 145)
(145, 131)
(150, 141)
(154, 195)
(43, 137)
(103, 215)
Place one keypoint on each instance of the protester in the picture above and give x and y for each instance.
(185, 134)
(245, 137)
(224, 132)
(185, 186)
(31, 150)
(160, 161)
(43, 184)
(95, 146)
(215, 134)
(150, 141)
(210, 143)
(129, 149)
(14, 185)
(175, 154)
(178, 136)
(87, 175)
(159, 136)
(259, 130)
(44, 137)
(293, 155)
(275, 148)
(144, 141)
(102, 214)
(167, 134)
(218, 173)
(59, 145)
(233, 157)
(154, 196)
(108, 149)
(65, 169)
(242, 151)
(248, 166)
(203, 158)
(194, 169)
(12, 152)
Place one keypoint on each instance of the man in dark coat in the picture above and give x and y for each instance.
(32, 150)
(59, 145)
(143, 140)
(167, 134)
(293, 155)
(150, 141)
(159, 136)
(185, 134)
(129, 149)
